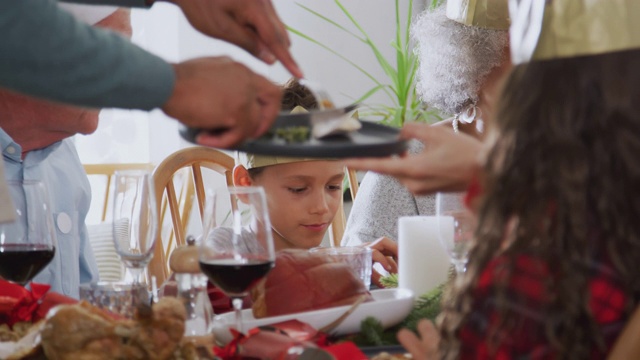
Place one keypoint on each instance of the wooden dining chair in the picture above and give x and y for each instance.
(176, 202)
(339, 222)
(627, 346)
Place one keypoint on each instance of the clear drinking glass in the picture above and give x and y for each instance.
(456, 226)
(135, 220)
(27, 244)
(358, 258)
(237, 250)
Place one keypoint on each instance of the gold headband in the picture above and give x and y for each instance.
(550, 29)
(490, 14)
(250, 161)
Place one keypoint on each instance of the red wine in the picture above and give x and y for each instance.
(22, 262)
(234, 277)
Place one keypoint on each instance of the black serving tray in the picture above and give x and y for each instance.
(372, 140)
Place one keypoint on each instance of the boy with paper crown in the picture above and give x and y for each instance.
(303, 195)
(554, 271)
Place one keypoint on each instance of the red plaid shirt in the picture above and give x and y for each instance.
(523, 335)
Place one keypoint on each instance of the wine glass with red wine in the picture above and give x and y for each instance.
(237, 247)
(27, 244)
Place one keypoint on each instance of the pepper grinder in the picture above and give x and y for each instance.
(192, 288)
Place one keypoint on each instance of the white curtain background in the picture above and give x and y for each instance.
(136, 136)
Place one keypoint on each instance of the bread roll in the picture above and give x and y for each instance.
(302, 281)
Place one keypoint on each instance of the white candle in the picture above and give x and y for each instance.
(423, 262)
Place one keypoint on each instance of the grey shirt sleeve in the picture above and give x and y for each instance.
(47, 53)
(380, 201)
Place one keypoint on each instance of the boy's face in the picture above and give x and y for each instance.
(303, 198)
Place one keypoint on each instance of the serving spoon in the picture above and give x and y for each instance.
(335, 323)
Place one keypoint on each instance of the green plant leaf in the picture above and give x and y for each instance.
(331, 22)
(368, 94)
(367, 74)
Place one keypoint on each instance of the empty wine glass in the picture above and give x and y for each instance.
(27, 244)
(456, 225)
(237, 250)
(135, 220)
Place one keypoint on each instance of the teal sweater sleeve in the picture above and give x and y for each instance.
(45, 52)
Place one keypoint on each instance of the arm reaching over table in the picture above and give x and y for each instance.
(250, 24)
(92, 68)
(243, 108)
(448, 162)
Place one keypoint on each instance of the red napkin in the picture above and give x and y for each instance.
(20, 304)
(274, 341)
(346, 350)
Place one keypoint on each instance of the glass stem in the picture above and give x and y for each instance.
(237, 307)
(460, 266)
(135, 274)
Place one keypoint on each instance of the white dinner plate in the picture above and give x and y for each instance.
(390, 306)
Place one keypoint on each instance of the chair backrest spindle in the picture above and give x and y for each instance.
(179, 206)
(340, 220)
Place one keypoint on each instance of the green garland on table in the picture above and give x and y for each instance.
(427, 306)
(390, 281)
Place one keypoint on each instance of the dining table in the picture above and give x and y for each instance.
(284, 335)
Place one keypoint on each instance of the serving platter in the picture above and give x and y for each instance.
(390, 306)
(371, 140)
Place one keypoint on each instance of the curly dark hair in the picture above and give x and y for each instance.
(295, 94)
(562, 184)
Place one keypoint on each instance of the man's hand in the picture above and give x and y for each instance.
(250, 24)
(448, 162)
(219, 94)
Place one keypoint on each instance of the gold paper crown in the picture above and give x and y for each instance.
(550, 29)
(250, 161)
(490, 14)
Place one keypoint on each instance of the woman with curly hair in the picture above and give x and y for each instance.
(461, 64)
(553, 274)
